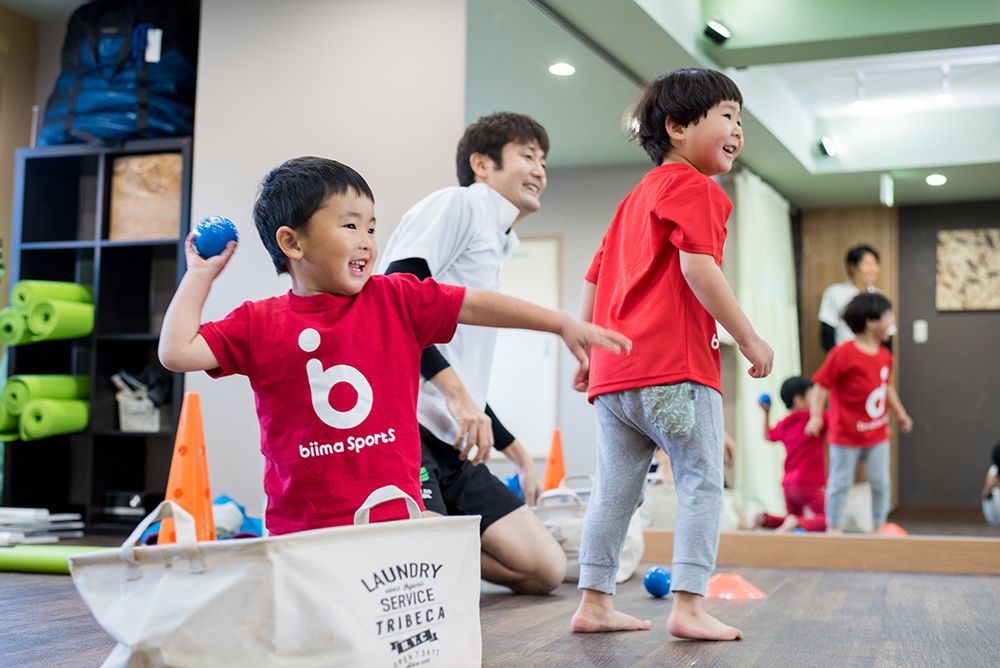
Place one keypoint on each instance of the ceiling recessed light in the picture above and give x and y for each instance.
(944, 99)
(717, 32)
(561, 69)
(827, 147)
(936, 179)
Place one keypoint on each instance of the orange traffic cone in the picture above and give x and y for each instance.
(555, 471)
(732, 587)
(188, 482)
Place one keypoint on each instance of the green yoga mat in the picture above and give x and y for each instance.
(8, 422)
(26, 294)
(14, 328)
(19, 390)
(51, 320)
(42, 418)
(42, 558)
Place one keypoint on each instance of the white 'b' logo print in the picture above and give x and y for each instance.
(875, 405)
(321, 381)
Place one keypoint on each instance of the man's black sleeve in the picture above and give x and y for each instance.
(828, 337)
(432, 362)
(501, 437)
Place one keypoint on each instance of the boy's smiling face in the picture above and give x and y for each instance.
(710, 145)
(335, 252)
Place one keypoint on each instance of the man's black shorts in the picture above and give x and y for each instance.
(452, 486)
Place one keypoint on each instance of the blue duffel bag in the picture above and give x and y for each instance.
(128, 71)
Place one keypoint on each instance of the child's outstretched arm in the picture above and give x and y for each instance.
(181, 347)
(709, 285)
(814, 427)
(905, 422)
(766, 407)
(492, 309)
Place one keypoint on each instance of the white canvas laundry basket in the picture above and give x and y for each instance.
(562, 511)
(390, 594)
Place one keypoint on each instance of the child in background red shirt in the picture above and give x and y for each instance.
(856, 376)
(805, 468)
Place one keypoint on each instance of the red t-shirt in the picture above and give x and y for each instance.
(858, 385)
(804, 463)
(641, 291)
(335, 382)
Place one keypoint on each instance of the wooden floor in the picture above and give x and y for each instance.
(810, 618)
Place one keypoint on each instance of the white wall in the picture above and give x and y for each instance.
(577, 207)
(379, 86)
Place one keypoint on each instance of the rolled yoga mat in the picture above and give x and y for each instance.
(14, 328)
(8, 425)
(26, 294)
(42, 558)
(42, 418)
(50, 320)
(19, 390)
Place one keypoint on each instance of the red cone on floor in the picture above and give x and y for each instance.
(188, 482)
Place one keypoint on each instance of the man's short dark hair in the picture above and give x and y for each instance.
(490, 134)
(794, 387)
(864, 307)
(856, 253)
(684, 95)
(292, 192)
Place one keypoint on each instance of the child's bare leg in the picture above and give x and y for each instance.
(790, 524)
(688, 619)
(597, 614)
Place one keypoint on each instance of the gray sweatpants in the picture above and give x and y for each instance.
(685, 420)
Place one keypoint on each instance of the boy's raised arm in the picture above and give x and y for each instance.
(181, 347)
(491, 309)
(709, 285)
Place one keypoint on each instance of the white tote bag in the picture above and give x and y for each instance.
(391, 594)
(562, 511)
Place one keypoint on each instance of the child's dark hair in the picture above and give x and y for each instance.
(794, 387)
(490, 134)
(684, 95)
(293, 191)
(856, 253)
(864, 307)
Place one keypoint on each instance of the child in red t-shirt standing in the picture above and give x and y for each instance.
(856, 376)
(657, 277)
(334, 364)
(805, 468)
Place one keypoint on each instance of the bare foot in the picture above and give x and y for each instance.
(791, 523)
(597, 614)
(835, 530)
(689, 620)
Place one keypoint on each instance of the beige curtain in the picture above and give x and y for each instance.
(764, 283)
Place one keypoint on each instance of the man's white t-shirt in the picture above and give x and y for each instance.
(831, 308)
(464, 234)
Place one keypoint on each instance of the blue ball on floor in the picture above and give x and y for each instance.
(657, 581)
(799, 530)
(212, 234)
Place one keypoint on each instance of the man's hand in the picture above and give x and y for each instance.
(475, 430)
(814, 426)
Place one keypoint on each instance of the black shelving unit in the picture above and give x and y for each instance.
(60, 231)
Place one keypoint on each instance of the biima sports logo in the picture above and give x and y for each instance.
(321, 381)
(876, 403)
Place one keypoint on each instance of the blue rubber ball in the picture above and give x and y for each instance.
(765, 398)
(514, 484)
(657, 581)
(212, 234)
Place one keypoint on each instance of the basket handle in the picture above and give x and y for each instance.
(380, 496)
(187, 541)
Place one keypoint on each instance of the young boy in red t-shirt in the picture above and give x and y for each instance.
(335, 363)
(805, 468)
(657, 276)
(856, 376)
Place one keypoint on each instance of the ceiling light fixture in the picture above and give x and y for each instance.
(886, 189)
(827, 147)
(936, 179)
(561, 69)
(717, 32)
(944, 97)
